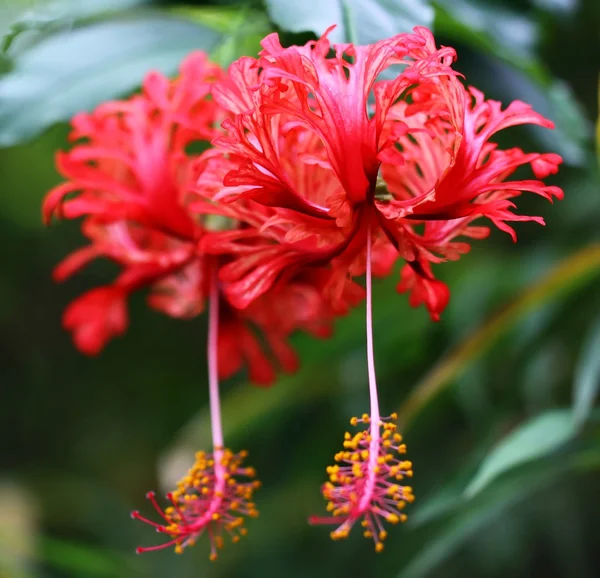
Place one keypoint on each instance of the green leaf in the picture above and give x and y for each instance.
(565, 277)
(534, 439)
(242, 30)
(492, 503)
(77, 70)
(82, 559)
(491, 28)
(513, 37)
(37, 16)
(598, 126)
(587, 377)
(559, 6)
(372, 20)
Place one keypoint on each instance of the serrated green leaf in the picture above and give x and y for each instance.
(587, 377)
(76, 70)
(372, 20)
(535, 439)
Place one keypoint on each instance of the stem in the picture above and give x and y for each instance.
(213, 377)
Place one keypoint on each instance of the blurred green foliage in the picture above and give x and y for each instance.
(498, 399)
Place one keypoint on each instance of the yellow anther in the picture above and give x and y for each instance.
(354, 421)
(339, 534)
(368, 534)
(379, 547)
(213, 556)
(178, 549)
(382, 535)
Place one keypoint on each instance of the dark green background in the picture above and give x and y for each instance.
(83, 439)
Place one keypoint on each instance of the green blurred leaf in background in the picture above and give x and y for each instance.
(587, 377)
(371, 20)
(78, 69)
(532, 440)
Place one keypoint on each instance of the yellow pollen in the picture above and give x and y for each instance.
(345, 487)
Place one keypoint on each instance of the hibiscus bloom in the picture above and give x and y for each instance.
(321, 137)
(355, 164)
(129, 173)
(133, 180)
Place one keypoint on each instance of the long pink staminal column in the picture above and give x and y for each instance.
(363, 482)
(213, 377)
(210, 497)
(373, 397)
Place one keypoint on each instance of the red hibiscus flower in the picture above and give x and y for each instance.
(317, 134)
(133, 181)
